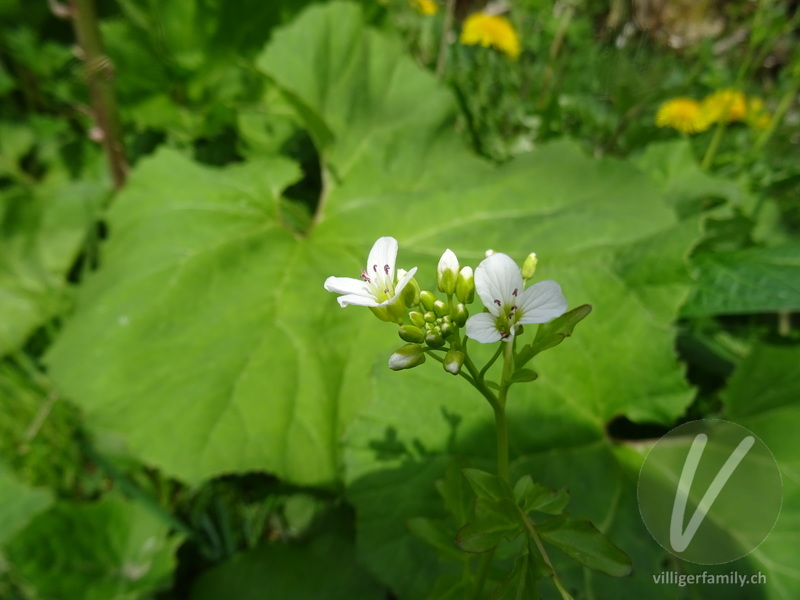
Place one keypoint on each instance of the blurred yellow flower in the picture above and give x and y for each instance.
(483, 29)
(683, 114)
(426, 7)
(724, 105)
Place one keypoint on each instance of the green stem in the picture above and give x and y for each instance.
(777, 117)
(100, 74)
(444, 43)
(501, 431)
(483, 572)
(565, 595)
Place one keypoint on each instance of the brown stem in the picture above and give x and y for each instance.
(99, 78)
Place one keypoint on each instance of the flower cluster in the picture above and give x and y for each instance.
(429, 323)
(691, 116)
(488, 30)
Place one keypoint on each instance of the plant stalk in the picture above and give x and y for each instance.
(99, 78)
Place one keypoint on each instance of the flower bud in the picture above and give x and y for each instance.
(465, 285)
(411, 291)
(488, 253)
(410, 333)
(407, 357)
(434, 340)
(430, 317)
(440, 308)
(447, 330)
(453, 361)
(417, 318)
(427, 298)
(447, 271)
(529, 266)
(460, 315)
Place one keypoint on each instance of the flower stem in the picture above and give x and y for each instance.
(565, 595)
(501, 431)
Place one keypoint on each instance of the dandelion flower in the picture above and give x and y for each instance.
(426, 7)
(724, 105)
(483, 29)
(683, 114)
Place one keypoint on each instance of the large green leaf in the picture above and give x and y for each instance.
(206, 338)
(112, 550)
(746, 281)
(763, 396)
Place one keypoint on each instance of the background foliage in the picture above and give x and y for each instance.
(187, 411)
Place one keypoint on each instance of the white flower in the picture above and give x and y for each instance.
(377, 284)
(498, 281)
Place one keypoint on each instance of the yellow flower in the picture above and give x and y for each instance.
(483, 29)
(426, 7)
(724, 105)
(683, 114)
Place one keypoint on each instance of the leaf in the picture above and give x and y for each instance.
(494, 521)
(762, 396)
(436, 533)
(488, 486)
(521, 582)
(553, 333)
(746, 281)
(582, 541)
(524, 376)
(41, 233)
(455, 492)
(111, 550)
(278, 570)
(686, 186)
(532, 496)
(19, 503)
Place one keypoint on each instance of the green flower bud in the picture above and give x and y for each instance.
(410, 333)
(529, 266)
(434, 340)
(465, 285)
(488, 253)
(430, 317)
(411, 291)
(427, 298)
(447, 330)
(453, 361)
(407, 357)
(417, 318)
(460, 315)
(440, 308)
(447, 271)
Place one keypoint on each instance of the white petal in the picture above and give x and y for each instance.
(449, 261)
(356, 300)
(382, 255)
(347, 285)
(496, 278)
(482, 328)
(542, 302)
